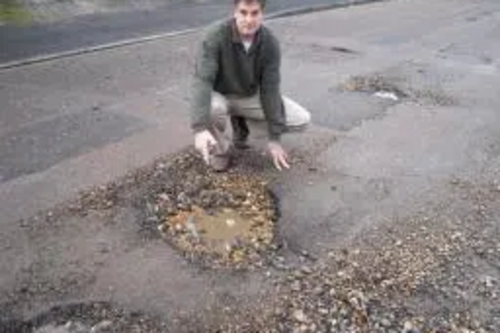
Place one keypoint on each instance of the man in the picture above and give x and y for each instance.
(237, 74)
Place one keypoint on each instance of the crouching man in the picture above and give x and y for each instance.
(237, 78)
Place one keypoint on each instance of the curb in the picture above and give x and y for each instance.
(139, 40)
(92, 49)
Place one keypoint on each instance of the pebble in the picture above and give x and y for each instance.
(408, 327)
(489, 282)
(299, 316)
(164, 197)
(296, 286)
(323, 311)
(306, 269)
(103, 326)
(385, 322)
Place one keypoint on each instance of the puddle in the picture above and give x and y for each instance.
(224, 230)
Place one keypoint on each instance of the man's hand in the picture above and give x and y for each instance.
(204, 142)
(279, 156)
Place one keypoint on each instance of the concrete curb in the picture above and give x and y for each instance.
(140, 40)
(84, 50)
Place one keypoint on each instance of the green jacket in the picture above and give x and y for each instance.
(224, 66)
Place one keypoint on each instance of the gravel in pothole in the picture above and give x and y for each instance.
(223, 219)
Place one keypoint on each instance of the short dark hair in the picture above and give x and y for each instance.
(262, 3)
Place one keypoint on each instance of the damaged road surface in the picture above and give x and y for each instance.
(389, 220)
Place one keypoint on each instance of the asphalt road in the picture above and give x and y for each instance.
(369, 166)
(18, 42)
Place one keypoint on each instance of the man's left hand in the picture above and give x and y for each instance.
(279, 156)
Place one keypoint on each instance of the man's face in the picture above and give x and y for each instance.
(248, 17)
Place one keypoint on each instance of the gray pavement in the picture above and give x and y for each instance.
(369, 161)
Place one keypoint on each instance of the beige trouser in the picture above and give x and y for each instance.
(297, 118)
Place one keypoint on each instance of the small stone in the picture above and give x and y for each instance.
(385, 322)
(76, 327)
(230, 223)
(164, 197)
(306, 269)
(296, 286)
(318, 290)
(103, 326)
(408, 327)
(299, 316)
(489, 281)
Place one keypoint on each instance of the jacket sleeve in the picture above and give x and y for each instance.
(270, 93)
(206, 68)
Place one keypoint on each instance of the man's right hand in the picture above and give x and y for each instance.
(203, 142)
(279, 156)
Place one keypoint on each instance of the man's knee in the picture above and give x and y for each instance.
(304, 118)
(298, 118)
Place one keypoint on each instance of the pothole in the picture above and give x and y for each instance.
(217, 219)
(92, 317)
(373, 84)
(398, 89)
(212, 219)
